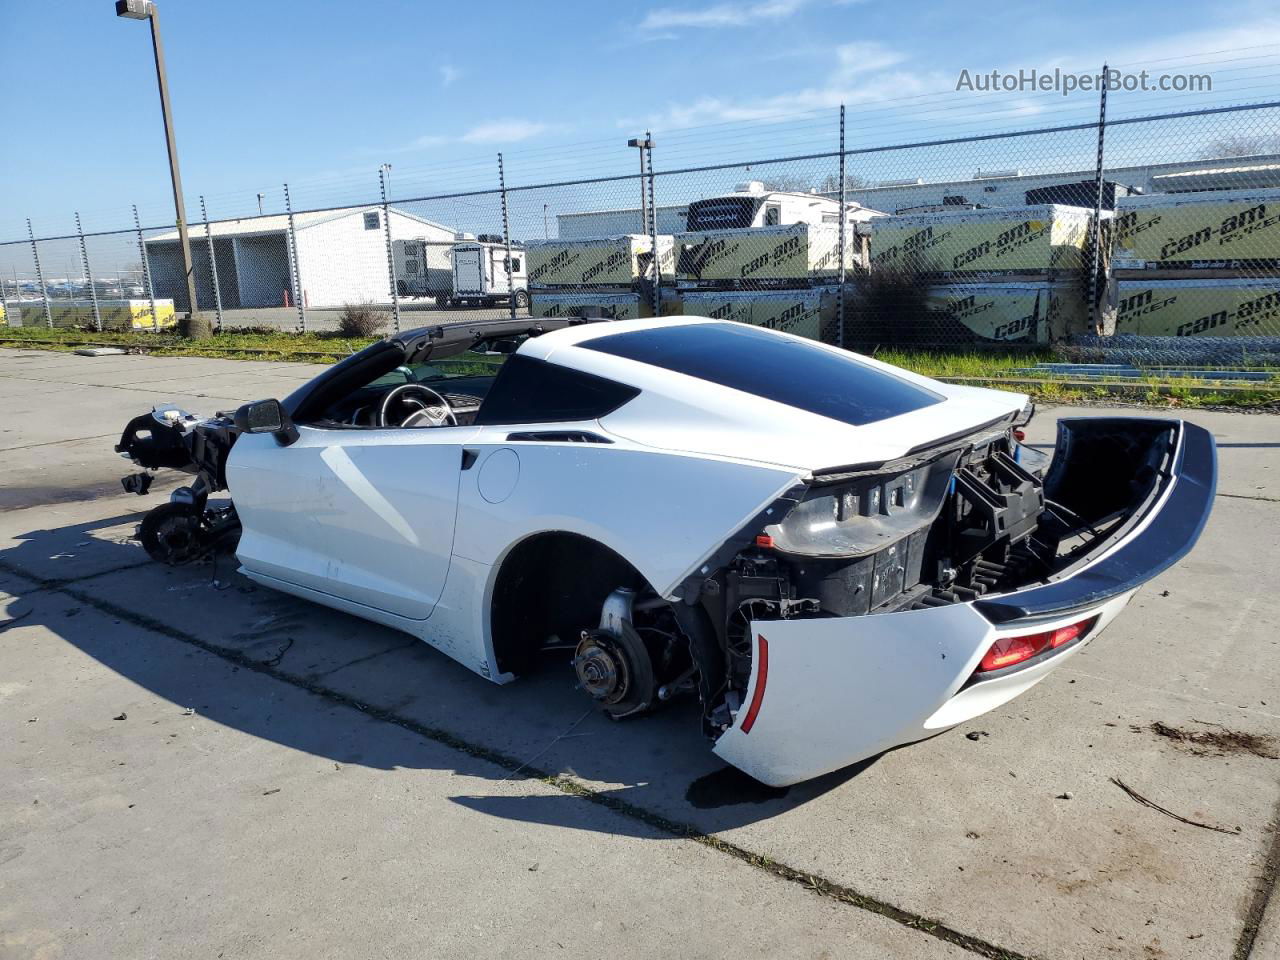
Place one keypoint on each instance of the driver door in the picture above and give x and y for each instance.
(365, 515)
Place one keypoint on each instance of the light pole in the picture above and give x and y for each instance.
(643, 144)
(147, 10)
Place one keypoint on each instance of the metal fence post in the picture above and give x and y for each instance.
(843, 241)
(653, 227)
(4, 301)
(88, 275)
(213, 267)
(506, 236)
(295, 280)
(44, 290)
(146, 271)
(1095, 320)
(391, 255)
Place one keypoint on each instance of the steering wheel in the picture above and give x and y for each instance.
(431, 407)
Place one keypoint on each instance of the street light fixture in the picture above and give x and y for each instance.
(643, 144)
(147, 10)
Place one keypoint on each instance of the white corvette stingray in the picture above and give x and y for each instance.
(834, 555)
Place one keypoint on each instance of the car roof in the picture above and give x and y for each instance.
(721, 390)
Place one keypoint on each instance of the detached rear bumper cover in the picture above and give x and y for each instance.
(840, 689)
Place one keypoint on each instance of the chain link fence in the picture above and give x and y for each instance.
(1164, 227)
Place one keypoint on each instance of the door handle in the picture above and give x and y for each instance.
(469, 458)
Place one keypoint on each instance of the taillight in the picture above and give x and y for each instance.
(1008, 651)
(762, 677)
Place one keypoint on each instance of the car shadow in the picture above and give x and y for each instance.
(658, 769)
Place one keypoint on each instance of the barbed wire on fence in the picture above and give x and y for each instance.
(1012, 238)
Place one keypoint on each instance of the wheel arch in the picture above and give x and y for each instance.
(550, 582)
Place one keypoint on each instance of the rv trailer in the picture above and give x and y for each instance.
(480, 276)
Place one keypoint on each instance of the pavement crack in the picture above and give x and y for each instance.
(365, 659)
(55, 583)
(128, 388)
(1246, 496)
(814, 883)
(1262, 894)
(54, 443)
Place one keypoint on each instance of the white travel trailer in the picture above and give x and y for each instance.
(751, 205)
(424, 267)
(480, 275)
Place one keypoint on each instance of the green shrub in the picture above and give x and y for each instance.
(361, 320)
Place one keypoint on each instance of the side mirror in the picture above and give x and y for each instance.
(266, 416)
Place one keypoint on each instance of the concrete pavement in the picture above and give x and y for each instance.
(410, 777)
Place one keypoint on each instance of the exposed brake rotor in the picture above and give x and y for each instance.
(171, 533)
(178, 533)
(615, 670)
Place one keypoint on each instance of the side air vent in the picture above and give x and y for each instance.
(558, 436)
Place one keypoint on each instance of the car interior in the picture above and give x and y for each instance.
(431, 394)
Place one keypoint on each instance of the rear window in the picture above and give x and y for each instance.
(760, 362)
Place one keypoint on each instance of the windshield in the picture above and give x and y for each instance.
(469, 363)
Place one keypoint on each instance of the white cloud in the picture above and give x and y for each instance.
(721, 15)
(1192, 49)
(504, 131)
(784, 106)
(861, 74)
(855, 59)
(864, 73)
(428, 140)
(493, 132)
(448, 74)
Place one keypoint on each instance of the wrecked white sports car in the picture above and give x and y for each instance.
(836, 556)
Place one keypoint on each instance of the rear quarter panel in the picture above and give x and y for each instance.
(663, 512)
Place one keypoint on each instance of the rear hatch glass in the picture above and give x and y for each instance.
(756, 361)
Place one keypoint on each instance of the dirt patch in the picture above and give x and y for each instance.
(1218, 741)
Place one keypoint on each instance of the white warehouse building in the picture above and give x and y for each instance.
(341, 258)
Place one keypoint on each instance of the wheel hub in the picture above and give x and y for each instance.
(172, 534)
(601, 668)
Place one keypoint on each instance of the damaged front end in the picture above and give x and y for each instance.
(187, 527)
(873, 605)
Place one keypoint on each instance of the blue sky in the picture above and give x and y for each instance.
(319, 93)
